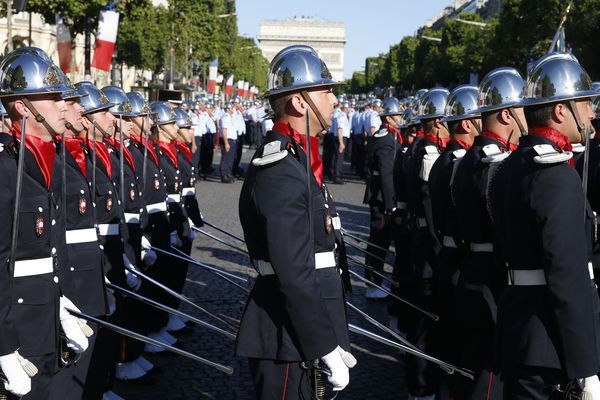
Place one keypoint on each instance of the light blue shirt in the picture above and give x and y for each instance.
(343, 124)
(227, 123)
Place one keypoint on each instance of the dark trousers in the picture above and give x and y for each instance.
(41, 383)
(380, 235)
(279, 380)
(100, 375)
(256, 134)
(69, 383)
(339, 158)
(361, 156)
(329, 149)
(196, 155)
(530, 383)
(238, 155)
(206, 152)
(227, 158)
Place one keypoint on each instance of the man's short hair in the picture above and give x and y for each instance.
(539, 115)
(427, 125)
(279, 103)
(456, 127)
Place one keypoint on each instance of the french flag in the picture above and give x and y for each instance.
(246, 87)
(240, 88)
(63, 40)
(108, 26)
(212, 75)
(229, 86)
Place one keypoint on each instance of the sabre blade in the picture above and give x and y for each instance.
(169, 309)
(223, 230)
(219, 240)
(134, 335)
(373, 270)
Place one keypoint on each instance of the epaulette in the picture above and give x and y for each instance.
(431, 155)
(493, 154)
(458, 154)
(272, 153)
(380, 133)
(429, 150)
(578, 148)
(547, 154)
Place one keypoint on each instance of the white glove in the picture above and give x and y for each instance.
(591, 388)
(18, 372)
(76, 330)
(148, 255)
(133, 281)
(175, 241)
(338, 362)
(191, 233)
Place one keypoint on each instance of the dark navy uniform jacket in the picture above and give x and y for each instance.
(297, 313)
(188, 192)
(29, 312)
(85, 263)
(541, 224)
(380, 161)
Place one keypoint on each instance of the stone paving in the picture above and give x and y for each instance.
(379, 373)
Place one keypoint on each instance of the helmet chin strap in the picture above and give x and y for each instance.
(38, 117)
(580, 125)
(514, 115)
(72, 128)
(93, 121)
(315, 110)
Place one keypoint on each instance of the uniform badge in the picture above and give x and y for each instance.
(156, 184)
(82, 205)
(176, 186)
(109, 203)
(132, 194)
(192, 182)
(39, 225)
(328, 223)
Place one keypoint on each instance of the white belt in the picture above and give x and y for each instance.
(421, 222)
(402, 205)
(189, 191)
(337, 223)
(534, 277)
(81, 235)
(376, 173)
(448, 241)
(322, 260)
(174, 198)
(156, 207)
(108, 229)
(37, 266)
(482, 247)
(132, 218)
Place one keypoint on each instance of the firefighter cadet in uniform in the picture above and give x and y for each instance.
(296, 311)
(342, 136)
(85, 261)
(379, 193)
(548, 325)
(481, 280)
(463, 124)
(34, 312)
(229, 143)
(421, 375)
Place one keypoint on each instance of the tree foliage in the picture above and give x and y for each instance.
(523, 31)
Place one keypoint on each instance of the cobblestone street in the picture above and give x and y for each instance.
(379, 373)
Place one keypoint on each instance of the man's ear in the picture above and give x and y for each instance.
(504, 116)
(296, 105)
(559, 112)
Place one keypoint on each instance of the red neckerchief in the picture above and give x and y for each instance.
(102, 154)
(420, 134)
(185, 150)
(126, 153)
(552, 134)
(507, 146)
(396, 131)
(43, 152)
(440, 141)
(75, 146)
(315, 157)
(462, 144)
(169, 149)
(150, 148)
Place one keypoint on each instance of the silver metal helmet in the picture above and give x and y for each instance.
(462, 103)
(557, 77)
(165, 114)
(33, 50)
(182, 119)
(26, 73)
(119, 98)
(596, 85)
(433, 104)
(139, 105)
(2, 112)
(376, 102)
(500, 88)
(391, 106)
(596, 106)
(228, 105)
(297, 67)
(95, 100)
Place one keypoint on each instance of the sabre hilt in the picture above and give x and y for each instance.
(568, 391)
(318, 374)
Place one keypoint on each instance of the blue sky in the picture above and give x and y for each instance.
(371, 27)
